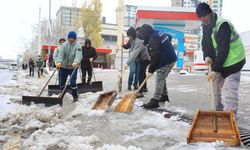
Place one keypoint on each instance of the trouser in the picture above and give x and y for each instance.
(89, 71)
(63, 74)
(32, 72)
(160, 83)
(40, 72)
(231, 86)
(133, 77)
(142, 72)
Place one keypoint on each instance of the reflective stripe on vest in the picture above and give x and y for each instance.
(236, 51)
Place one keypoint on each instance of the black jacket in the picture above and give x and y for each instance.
(223, 40)
(87, 53)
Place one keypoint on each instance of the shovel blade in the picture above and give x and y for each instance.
(48, 101)
(202, 129)
(81, 88)
(105, 100)
(126, 104)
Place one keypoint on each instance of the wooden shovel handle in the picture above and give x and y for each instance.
(47, 83)
(116, 85)
(211, 88)
(93, 70)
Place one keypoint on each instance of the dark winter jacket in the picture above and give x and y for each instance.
(160, 49)
(31, 64)
(87, 53)
(223, 40)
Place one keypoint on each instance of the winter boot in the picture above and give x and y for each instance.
(83, 80)
(89, 79)
(144, 90)
(135, 87)
(129, 87)
(164, 98)
(75, 99)
(139, 95)
(152, 104)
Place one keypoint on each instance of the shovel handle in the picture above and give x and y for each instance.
(47, 83)
(142, 84)
(93, 70)
(116, 85)
(211, 88)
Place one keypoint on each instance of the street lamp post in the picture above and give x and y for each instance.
(49, 44)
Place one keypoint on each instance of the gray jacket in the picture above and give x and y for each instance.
(69, 54)
(139, 51)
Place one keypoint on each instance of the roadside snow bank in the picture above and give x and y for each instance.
(28, 118)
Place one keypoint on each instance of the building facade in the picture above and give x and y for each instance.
(130, 15)
(67, 17)
(216, 5)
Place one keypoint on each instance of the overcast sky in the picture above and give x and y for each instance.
(17, 17)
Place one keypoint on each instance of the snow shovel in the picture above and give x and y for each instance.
(106, 99)
(211, 126)
(127, 102)
(48, 101)
(81, 87)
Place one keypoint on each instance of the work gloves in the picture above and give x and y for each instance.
(208, 61)
(74, 65)
(150, 74)
(58, 65)
(91, 59)
(211, 75)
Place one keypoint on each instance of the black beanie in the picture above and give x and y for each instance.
(145, 32)
(131, 32)
(203, 9)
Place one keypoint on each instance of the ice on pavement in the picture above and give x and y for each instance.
(81, 128)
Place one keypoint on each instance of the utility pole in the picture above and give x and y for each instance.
(49, 44)
(39, 33)
(120, 23)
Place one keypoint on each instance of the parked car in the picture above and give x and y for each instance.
(13, 66)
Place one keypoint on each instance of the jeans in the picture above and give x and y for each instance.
(63, 74)
(133, 74)
(142, 72)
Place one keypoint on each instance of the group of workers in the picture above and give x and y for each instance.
(152, 49)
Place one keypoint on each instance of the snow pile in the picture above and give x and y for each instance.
(63, 135)
(117, 147)
(28, 118)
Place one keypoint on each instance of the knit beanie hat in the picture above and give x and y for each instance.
(72, 34)
(203, 9)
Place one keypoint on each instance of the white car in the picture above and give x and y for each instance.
(13, 67)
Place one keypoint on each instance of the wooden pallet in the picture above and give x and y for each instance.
(202, 129)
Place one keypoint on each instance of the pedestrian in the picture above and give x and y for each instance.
(163, 58)
(70, 56)
(31, 67)
(88, 56)
(39, 64)
(223, 49)
(139, 55)
(56, 55)
(133, 69)
(56, 51)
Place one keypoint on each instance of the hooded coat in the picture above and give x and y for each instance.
(88, 52)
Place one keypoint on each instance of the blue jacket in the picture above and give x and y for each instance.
(161, 50)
